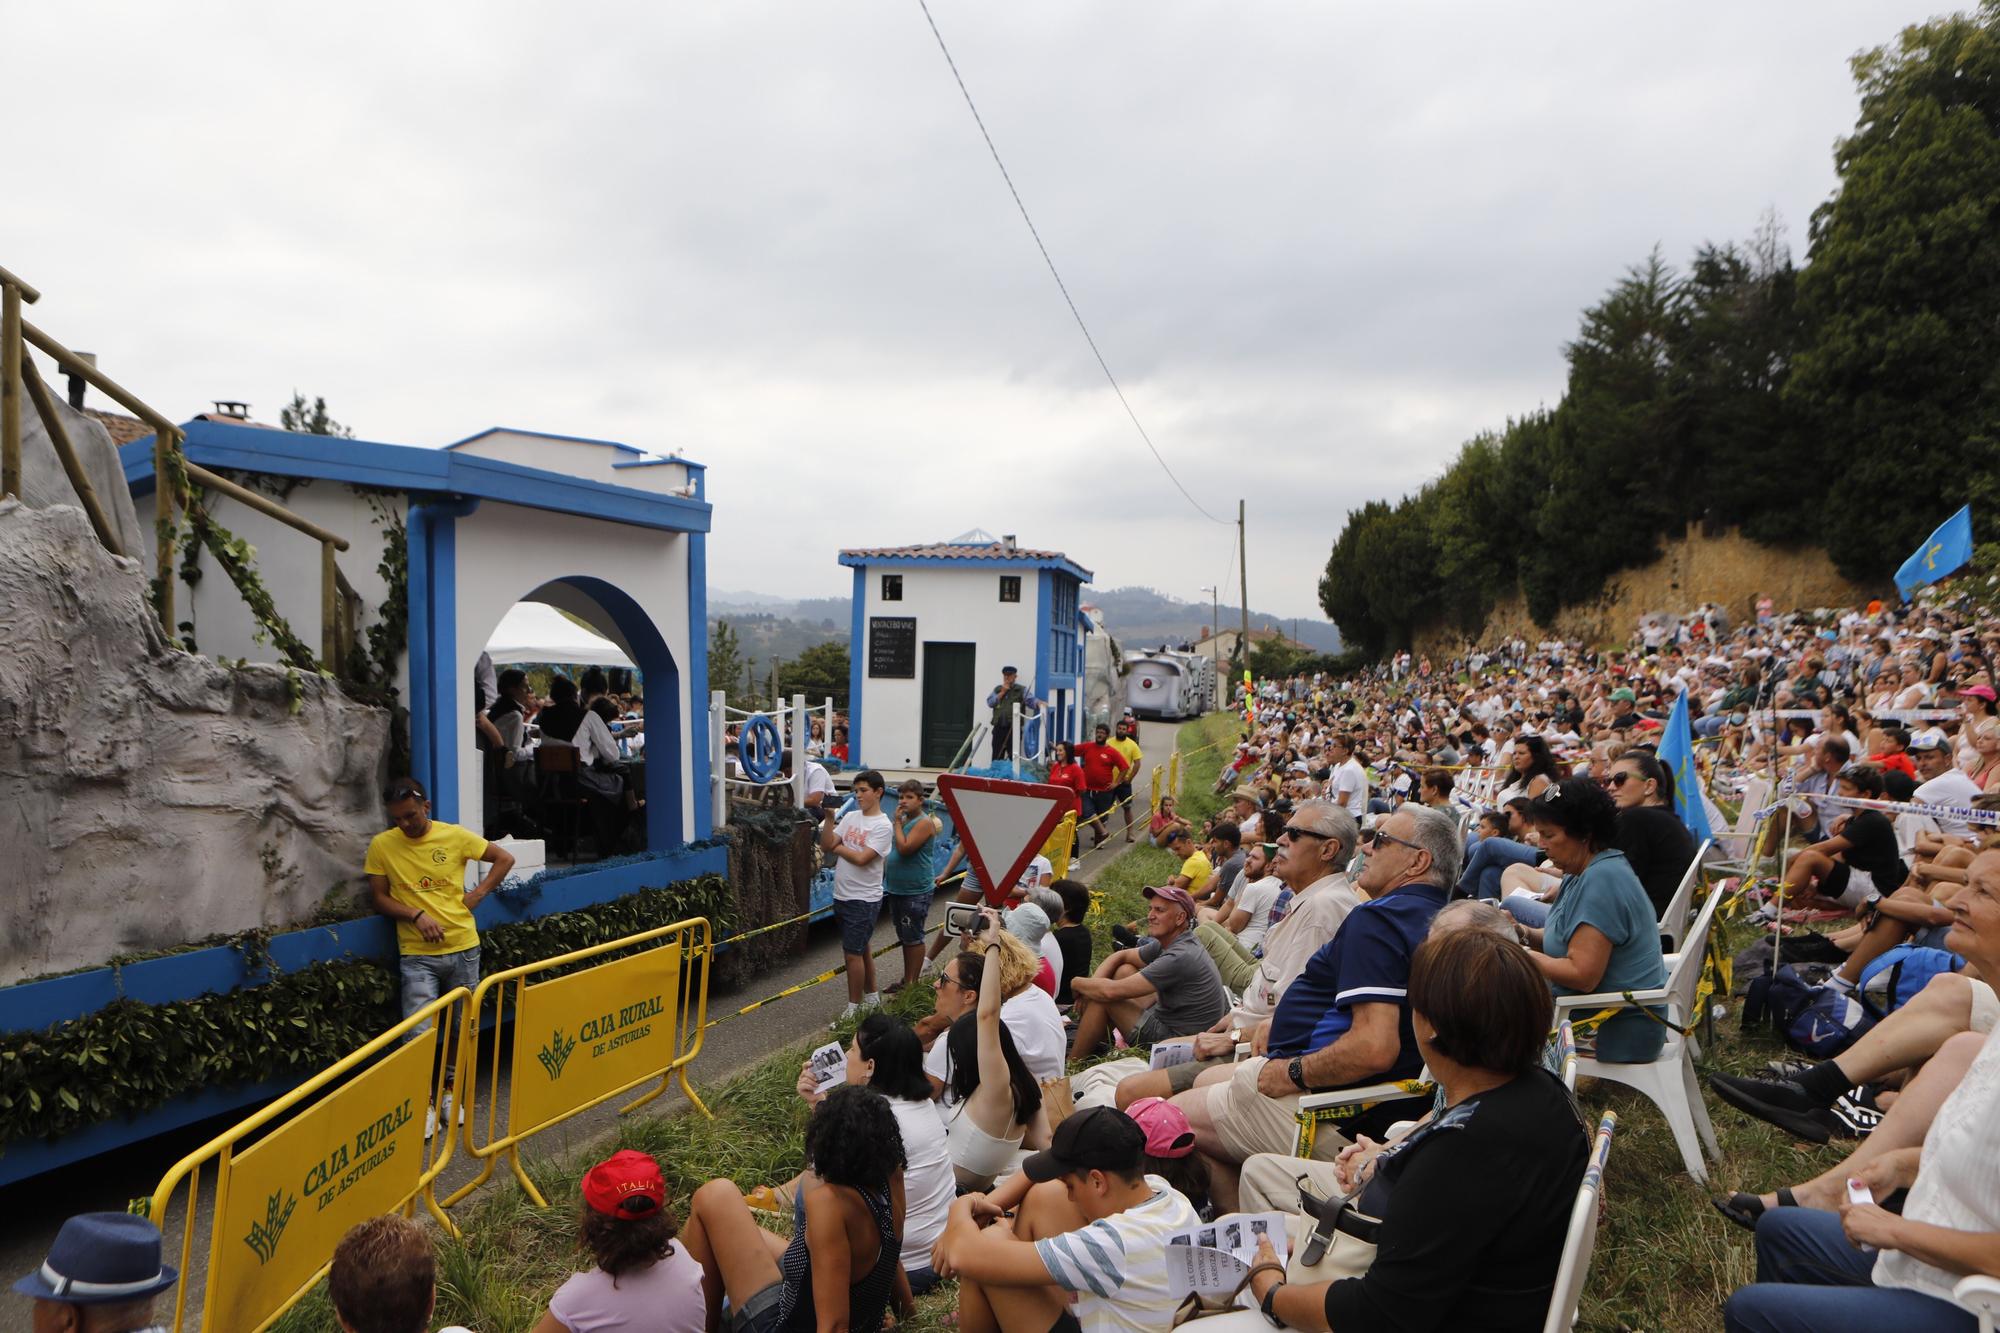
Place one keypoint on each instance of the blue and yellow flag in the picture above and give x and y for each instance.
(1944, 551)
(1677, 753)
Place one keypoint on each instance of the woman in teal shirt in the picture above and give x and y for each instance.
(907, 878)
(1601, 933)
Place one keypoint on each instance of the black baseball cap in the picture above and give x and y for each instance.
(1098, 1138)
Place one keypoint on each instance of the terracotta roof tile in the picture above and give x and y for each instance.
(123, 429)
(946, 551)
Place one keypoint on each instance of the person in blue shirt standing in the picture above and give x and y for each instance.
(1345, 1020)
(1601, 934)
(907, 878)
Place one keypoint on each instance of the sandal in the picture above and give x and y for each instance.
(1745, 1209)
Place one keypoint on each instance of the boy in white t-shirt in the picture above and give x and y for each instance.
(1089, 1227)
(860, 840)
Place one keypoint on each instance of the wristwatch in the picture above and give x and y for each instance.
(1296, 1071)
(1265, 1304)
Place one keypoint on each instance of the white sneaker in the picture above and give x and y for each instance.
(872, 1000)
(853, 1008)
(430, 1123)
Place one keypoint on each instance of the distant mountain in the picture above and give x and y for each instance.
(1138, 617)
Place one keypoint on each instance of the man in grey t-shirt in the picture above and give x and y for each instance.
(1166, 987)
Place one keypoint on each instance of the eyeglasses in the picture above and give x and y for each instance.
(1294, 832)
(1372, 836)
(947, 979)
(1620, 779)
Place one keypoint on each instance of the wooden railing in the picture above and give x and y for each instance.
(18, 376)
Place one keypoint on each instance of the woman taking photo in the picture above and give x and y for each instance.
(1602, 933)
(642, 1280)
(994, 1103)
(1474, 1206)
(841, 1268)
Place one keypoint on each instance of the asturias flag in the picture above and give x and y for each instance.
(1677, 753)
(1942, 552)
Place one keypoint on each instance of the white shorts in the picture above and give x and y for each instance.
(1985, 1006)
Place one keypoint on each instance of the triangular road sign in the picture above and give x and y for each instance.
(1003, 824)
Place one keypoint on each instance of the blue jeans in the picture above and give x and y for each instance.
(1530, 912)
(909, 911)
(857, 924)
(1811, 1280)
(1489, 858)
(427, 976)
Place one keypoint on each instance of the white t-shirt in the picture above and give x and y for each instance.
(1349, 786)
(1958, 1175)
(1036, 1026)
(1950, 787)
(818, 779)
(1052, 955)
(861, 884)
(929, 1185)
(1117, 1265)
(1037, 870)
(1257, 899)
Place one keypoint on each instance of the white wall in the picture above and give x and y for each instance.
(288, 563)
(577, 458)
(505, 552)
(950, 606)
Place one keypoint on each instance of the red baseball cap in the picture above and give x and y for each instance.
(626, 1185)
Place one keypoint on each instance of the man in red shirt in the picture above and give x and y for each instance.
(1102, 765)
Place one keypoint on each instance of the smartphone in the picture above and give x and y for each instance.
(1858, 1192)
(962, 919)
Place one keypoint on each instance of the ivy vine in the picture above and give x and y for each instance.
(129, 1057)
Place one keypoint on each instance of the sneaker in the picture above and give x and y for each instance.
(1783, 1103)
(1123, 936)
(430, 1123)
(853, 1008)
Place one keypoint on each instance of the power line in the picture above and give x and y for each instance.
(1060, 284)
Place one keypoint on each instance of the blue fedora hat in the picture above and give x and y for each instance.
(99, 1259)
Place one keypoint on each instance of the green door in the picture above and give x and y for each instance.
(948, 691)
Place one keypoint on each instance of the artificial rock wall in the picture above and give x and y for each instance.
(149, 797)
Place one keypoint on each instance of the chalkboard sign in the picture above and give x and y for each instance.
(892, 646)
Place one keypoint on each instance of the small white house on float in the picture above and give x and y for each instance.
(933, 627)
(604, 531)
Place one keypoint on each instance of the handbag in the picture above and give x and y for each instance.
(1194, 1306)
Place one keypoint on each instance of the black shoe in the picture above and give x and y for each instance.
(1122, 935)
(1783, 1103)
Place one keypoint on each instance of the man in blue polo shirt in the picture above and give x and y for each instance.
(1345, 1021)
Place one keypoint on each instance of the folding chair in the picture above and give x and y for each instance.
(1738, 847)
(1981, 1295)
(1582, 1237)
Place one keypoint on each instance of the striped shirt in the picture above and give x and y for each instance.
(1117, 1265)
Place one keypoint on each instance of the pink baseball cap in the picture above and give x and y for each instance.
(1168, 1133)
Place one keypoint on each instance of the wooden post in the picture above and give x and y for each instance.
(45, 408)
(329, 609)
(164, 446)
(10, 390)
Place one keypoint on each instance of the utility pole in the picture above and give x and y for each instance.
(1243, 569)
(1214, 624)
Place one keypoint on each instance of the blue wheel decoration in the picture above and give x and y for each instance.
(763, 753)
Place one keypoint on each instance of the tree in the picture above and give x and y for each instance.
(311, 418)
(1899, 382)
(725, 658)
(818, 672)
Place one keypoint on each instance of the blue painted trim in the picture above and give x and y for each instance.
(443, 683)
(1045, 589)
(417, 471)
(36, 1006)
(1061, 562)
(417, 527)
(857, 665)
(698, 687)
(545, 435)
(653, 658)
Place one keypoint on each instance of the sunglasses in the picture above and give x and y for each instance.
(1294, 832)
(1620, 779)
(1371, 837)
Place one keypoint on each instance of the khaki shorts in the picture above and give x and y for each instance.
(1985, 1006)
(1248, 1122)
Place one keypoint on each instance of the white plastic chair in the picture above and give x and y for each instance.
(1674, 921)
(1668, 1080)
(1566, 1052)
(1981, 1295)
(1736, 845)
(1582, 1237)
(1317, 1108)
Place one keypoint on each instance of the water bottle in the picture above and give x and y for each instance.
(624, 748)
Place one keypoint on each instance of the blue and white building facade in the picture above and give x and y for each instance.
(933, 627)
(605, 531)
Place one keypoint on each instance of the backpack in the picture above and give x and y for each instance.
(1777, 999)
(1893, 980)
(1832, 1020)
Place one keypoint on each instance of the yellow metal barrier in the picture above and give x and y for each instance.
(1061, 846)
(584, 1038)
(1174, 774)
(283, 1203)
(1157, 773)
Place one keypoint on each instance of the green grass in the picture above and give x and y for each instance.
(1665, 1259)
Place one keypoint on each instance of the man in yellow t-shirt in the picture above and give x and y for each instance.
(1127, 744)
(1196, 868)
(416, 875)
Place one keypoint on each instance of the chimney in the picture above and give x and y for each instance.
(1007, 543)
(232, 410)
(77, 383)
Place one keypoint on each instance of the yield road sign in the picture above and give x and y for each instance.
(1003, 822)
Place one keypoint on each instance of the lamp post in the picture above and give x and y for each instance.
(1215, 627)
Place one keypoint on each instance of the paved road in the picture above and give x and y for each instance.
(31, 1211)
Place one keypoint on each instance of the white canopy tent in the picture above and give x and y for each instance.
(537, 632)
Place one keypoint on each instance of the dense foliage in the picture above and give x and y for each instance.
(1852, 403)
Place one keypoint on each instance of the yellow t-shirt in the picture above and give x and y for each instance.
(429, 873)
(1128, 747)
(1197, 869)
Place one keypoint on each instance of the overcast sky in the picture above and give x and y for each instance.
(1321, 245)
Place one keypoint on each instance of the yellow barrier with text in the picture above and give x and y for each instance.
(283, 1202)
(1061, 846)
(584, 1037)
